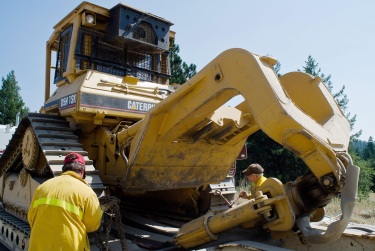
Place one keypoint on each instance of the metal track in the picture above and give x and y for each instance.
(56, 139)
(22, 226)
(141, 233)
(14, 233)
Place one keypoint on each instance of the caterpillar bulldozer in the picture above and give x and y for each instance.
(168, 150)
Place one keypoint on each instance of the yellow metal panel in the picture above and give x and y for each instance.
(166, 147)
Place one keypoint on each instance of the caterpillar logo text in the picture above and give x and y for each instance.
(140, 106)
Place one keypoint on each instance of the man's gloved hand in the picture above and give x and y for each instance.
(243, 194)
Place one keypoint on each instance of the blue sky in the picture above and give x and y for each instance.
(340, 35)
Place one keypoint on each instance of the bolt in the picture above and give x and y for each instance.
(217, 77)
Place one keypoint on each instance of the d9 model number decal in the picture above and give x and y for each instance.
(68, 101)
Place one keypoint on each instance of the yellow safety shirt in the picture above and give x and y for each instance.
(260, 181)
(63, 210)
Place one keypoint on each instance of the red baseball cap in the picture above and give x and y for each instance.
(74, 157)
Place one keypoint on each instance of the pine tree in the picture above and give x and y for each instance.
(180, 71)
(11, 102)
(369, 151)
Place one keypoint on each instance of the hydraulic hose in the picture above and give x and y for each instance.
(348, 198)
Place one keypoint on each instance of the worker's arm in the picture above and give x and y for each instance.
(93, 214)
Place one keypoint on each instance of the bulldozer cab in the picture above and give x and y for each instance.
(111, 64)
(122, 41)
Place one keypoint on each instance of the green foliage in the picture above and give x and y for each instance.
(244, 184)
(369, 151)
(10, 100)
(366, 176)
(365, 152)
(180, 71)
(277, 161)
(364, 149)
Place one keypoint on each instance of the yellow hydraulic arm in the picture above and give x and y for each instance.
(274, 207)
(191, 138)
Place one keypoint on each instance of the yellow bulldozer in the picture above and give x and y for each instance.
(168, 150)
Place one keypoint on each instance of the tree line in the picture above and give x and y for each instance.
(277, 161)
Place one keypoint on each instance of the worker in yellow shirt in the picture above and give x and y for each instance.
(255, 174)
(64, 209)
